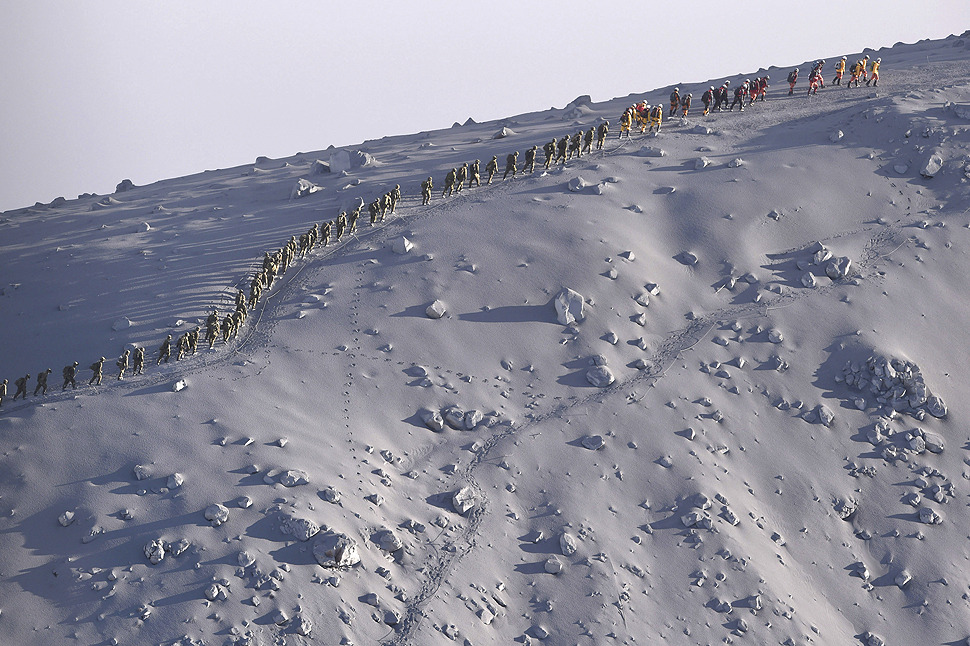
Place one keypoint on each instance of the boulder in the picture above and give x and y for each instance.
(701, 162)
(651, 151)
(303, 188)
(294, 478)
(436, 310)
(125, 185)
(567, 544)
(503, 133)
(155, 551)
(401, 246)
(935, 406)
(335, 550)
(932, 166)
(339, 161)
(472, 419)
(600, 376)
(464, 500)
(319, 167)
(835, 136)
(433, 420)
(735, 163)
(388, 541)
(576, 184)
(594, 442)
(570, 307)
(838, 267)
(302, 529)
(216, 514)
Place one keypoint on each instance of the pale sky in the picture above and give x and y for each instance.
(96, 91)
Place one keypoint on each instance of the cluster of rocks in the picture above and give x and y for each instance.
(452, 416)
(599, 374)
(896, 384)
(156, 549)
(835, 267)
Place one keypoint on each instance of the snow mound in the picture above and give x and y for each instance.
(121, 324)
(503, 133)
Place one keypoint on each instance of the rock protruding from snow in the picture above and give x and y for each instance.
(303, 188)
(929, 516)
(433, 420)
(701, 162)
(594, 442)
(124, 185)
(388, 540)
(216, 514)
(141, 472)
(567, 544)
(553, 565)
(932, 166)
(336, 551)
(66, 518)
(736, 162)
(600, 376)
(503, 133)
(179, 385)
(402, 246)
(319, 167)
(436, 310)
(702, 130)
(570, 307)
(294, 478)
(464, 500)
(302, 529)
(651, 151)
(836, 136)
(121, 324)
(175, 481)
(838, 267)
(155, 551)
(576, 184)
(897, 385)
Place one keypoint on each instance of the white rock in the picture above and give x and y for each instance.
(436, 310)
(600, 376)
(279, 618)
(216, 514)
(244, 502)
(567, 544)
(472, 419)
(388, 541)
(179, 385)
(553, 565)
(464, 500)
(594, 442)
(835, 136)
(935, 406)
(825, 415)
(215, 591)
(576, 184)
(838, 267)
(155, 551)
(245, 559)
(903, 578)
(121, 324)
(175, 481)
(929, 516)
(734, 163)
(303, 627)
(330, 495)
(433, 420)
(303, 188)
(570, 307)
(808, 279)
(933, 166)
(775, 335)
(402, 246)
(651, 151)
(701, 162)
(66, 518)
(302, 529)
(141, 472)
(336, 551)
(294, 478)
(702, 130)
(503, 133)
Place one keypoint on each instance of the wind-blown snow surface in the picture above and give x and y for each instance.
(728, 486)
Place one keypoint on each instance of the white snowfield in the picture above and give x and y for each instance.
(750, 428)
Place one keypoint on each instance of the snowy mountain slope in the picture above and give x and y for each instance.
(340, 360)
